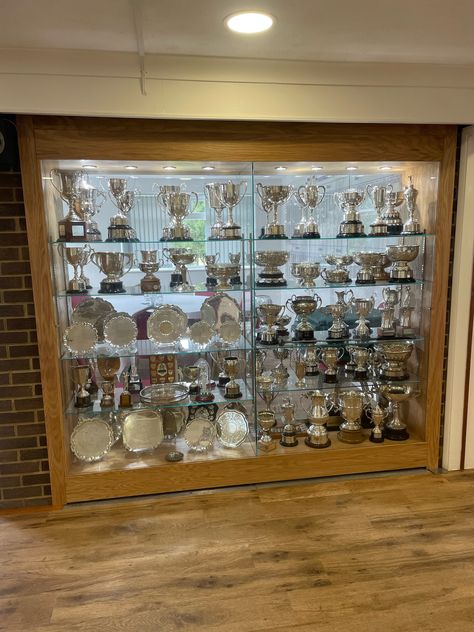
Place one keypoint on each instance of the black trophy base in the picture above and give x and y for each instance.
(176, 239)
(376, 438)
(232, 395)
(396, 435)
(263, 236)
(82, 401)
(235, 280)
(318, 446)
(269, 343)
(394, 229)
(272, 283)
(204, 397)
(365, 282)
(122, 240)
(336, 338)
(311, 372)
(355, 229)
(288, 441)
(78, 291)
(211, 282)
(111, 287)
(330, 378)
(304, 336)
(405, 280)
(310, 236)
(176, 280)
(360, 375)
(223, 380)
(194, 390)
(394, 378)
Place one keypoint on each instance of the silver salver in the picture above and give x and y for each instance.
(167, 324)
(201, 333)
(120, 331)
(93, 311)
(142, 430)
(80, 338)
(232, 428)
(219, 309)
(157, 394)
(200, 434)
(91, 439)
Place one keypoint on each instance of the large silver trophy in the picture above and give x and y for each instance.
(308, 196)
(351, 405)
(378, 195)
(401, 256)
(391, 215)
(362, 307)
(149, 265)
(412, 225)
(89, 202)
(215, 202)
(318, 417)
(288, 434)
(112, 264)
(349, 200)
(367, 261)
(180, 258)
(306, 272)
(77, 258)
(269, 314)
(270, 261)
(303, 307)
(391, 298)
(178, 205)
(230, 194)
(68, 183)
(273, 196)
(395, 356)
(119, 229)
(338, 274)
(396, 429)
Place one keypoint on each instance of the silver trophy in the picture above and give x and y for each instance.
(273, 196)
(306, 272)
(180, 258)
(339, 330)
(396, 429)
(339, 274)
(214, 201)
(234, 260)
(77, 258)
(318, 417)
(312, 358)
(89, 202)
(379, 271)
(405, 311)
(361, 357)
(269, 313)
(68, 183)
(223, 273)
(178, 205)
(330, 357)
(230, 194)
(280, 372)
(112, 264)
(394, 356)
(377, 416)
(412, 225)
(119, 229)
(391, 215)
(401, 256)
(265, 390)
(308, 196)
(367, 262)
(270, 261)
(349, 200)
(211, 260)
(362, 307)
(149, 265)
(288, 434)
(82, 398)
(266, 421)
(303, 307)
(378, 195)
(351, 405)
(391, 298)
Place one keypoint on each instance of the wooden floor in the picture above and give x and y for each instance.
(373, 554)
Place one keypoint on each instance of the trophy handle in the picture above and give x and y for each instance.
(93, 260)
(352, 295)
(290, 309)
(130, 261)
(101, 194)
(318, 299)
(340, 352)
(301, 198)
(52, 174)
(369, 190)
(337, 198)
(259, 189)
(195, 195)
(166, 254)
(323, 274)
(61, 250)
(323, 194)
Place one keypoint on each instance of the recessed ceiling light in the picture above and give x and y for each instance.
(185, 178)
(249, 22)
(208, 168)
(385, 168)
(131, 167)
(432, 177)
(280, 168)
(351, 168)
(317, 168)
(89, 166)
(169, 168)
(47, 178)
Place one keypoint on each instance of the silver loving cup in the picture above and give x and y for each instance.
(90, 201)
(272, 196)
(77, 258)
(362, 307)
(113, 265)
(395, 356)
(400, 256)
(309, 196)
(339, 329)
(367, 262)
(178, 205)
(391, 215)
(213, 200)
(68, 184)
(395, 429)
(318, 417)
(330, 357)
(351, 404)
(412, 225)
(306, 272)
(180, 258)
(288, 434)
(378, 196)
(230, 194)
(349, 200)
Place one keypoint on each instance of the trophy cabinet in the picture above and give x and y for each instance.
(223, 303)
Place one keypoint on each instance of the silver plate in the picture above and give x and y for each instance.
(80, 338)
(93, 311)
(201, 332)
(230, 331)
(200, 434)
(219, 309)
(120, 331)
(142, 430)
(232, 428)
(157, 394)
(91, 439)
(167, 324)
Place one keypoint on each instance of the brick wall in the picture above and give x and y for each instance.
(24, 470)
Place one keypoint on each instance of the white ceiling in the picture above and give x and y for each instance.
(319, 30)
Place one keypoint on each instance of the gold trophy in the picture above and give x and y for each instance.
(231, 369)
(266, 421)
(82, 398)
(288, 435)
(108, 368)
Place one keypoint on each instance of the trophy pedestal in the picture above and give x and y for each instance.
(273, 231)
(232, 392)
(351, 436)
(176, 279)
(194, 389)
(216, 232)
(288, 437)
(111, 287)
(383, 332)
(223, 380)
(125, 399)
(121, 233)
(235, 280)
(268, 338)
(317, 437)
(394, 377)
(266, 445)
(304, 335)
(204, 397)
(309, 235)
(360, 375)
(376, 436)
(271, 279)
(92, 232)
(150, 284)
(415, 231)
(283, 334)
(396, 434)
(211, 282)
(311, 370)
(72, 230)
(336, 335)
(405, 332)
(330, 378)
(76, 286)
(354, 228)
(402, 278)
(231, 232)
(364, 281)
(82, 401)
(394, 229)
(378, 230)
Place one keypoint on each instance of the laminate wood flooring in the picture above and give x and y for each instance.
(373, 554)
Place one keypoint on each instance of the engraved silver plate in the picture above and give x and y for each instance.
(163, 394)
(219, 309)
(120, 331)
(93, 311)
(142, 430)
(201, 332)
(230, 331)
(200, 434)
(91, 439)
(80, 338)
(167, 324)
(232, 428)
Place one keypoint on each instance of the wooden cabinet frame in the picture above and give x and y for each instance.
(44, 137)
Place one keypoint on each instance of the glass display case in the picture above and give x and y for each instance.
(221, 322)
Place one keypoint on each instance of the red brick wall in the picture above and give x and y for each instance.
(24, 470)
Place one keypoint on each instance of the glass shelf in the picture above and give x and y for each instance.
(95, 409)
(344, 382)
(177, 244)
(199, 289)
(336, 286)
(322, 341)
(375, 239)
(145, 348)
